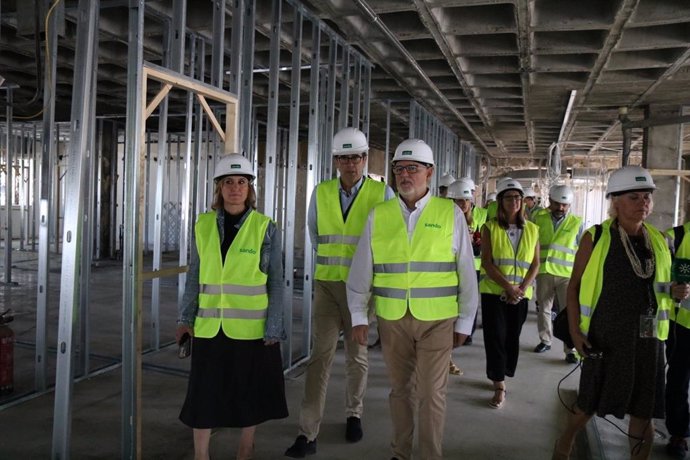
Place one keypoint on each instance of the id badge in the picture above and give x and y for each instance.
(647, 326)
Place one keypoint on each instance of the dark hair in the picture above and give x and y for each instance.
(218, 202)
(502, 217)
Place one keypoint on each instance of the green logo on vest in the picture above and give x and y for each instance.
(248, 251)
(432, 225)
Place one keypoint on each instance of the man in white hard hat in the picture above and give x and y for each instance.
(415, 258)
(443, 184)
(336, 216)
(531, 205)
(559, 237)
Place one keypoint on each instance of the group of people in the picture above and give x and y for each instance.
(420, 262)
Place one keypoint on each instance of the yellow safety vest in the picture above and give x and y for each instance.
(232, 296)
(514, 267)
(557, 250)
(491, 210)
(478, 219)
(682, 317)
(420, 272)
(337, 238)
(593, 277)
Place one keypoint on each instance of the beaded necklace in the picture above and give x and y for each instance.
(650, 263)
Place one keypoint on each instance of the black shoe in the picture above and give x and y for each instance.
(542, 347)
(353, 431)
(301, 448)
(677, 447)
(571, 358)
(376, 344)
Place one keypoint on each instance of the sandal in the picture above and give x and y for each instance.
(454, 370)
(497, 402)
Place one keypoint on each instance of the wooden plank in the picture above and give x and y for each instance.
(162, 273)
(231, 128)
(182, 81)
(211, 116)
(669, 172)
(157, 100)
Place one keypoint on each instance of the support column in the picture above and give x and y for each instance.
(662, 149)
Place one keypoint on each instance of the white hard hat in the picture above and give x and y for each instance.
(628, 179)
(529, 192)
(561, 194)
(414, 150)
(508, 183)
(349, 141)
(460, 189)
(446, 180)
(233, 164)
(491, 196)
(470, 181)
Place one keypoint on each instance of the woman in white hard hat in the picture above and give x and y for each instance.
(232, 308)
(510, 262)
(619, 303)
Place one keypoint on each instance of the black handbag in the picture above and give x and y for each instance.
(561, 330)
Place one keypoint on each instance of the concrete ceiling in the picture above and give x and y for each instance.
(499, 73)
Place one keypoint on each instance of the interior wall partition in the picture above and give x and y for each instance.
(444, 143)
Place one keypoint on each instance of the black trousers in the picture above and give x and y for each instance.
(502, 327)
(677, 379)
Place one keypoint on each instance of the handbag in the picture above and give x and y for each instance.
(561, 330)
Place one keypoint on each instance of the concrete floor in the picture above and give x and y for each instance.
(525, 428)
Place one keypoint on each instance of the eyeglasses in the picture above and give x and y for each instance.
(512, 197)
(354, 159)
(411, 169)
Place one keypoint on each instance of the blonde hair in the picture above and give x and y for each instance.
(613, 213)
(219, 203)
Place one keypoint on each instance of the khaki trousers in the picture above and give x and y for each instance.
(550, 287)
(416, 355)
(330, 316)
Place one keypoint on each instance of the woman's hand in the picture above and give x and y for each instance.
(183, 329)
(580, 342)
(680, 291)
(514, 295)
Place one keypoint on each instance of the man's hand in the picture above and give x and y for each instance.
(458, 339)
(360, 334)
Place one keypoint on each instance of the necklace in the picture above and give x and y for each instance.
(650, 264)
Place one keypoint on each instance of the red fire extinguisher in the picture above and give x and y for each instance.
(6, 353)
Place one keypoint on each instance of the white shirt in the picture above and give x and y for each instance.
(359, 283)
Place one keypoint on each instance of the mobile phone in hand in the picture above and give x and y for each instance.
(185, 346)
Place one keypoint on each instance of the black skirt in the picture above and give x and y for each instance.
(234, 383)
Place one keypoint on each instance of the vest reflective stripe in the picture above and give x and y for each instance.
(682, 316)
(415, 267)
(231, 313)
(514, 266)
(415, 293)
(593, 276)
(419, 273)
(553, 260)
(337, 239)
(510, 262)
(217, 289)
(558, 247)
(232, 295)
(333, 261)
